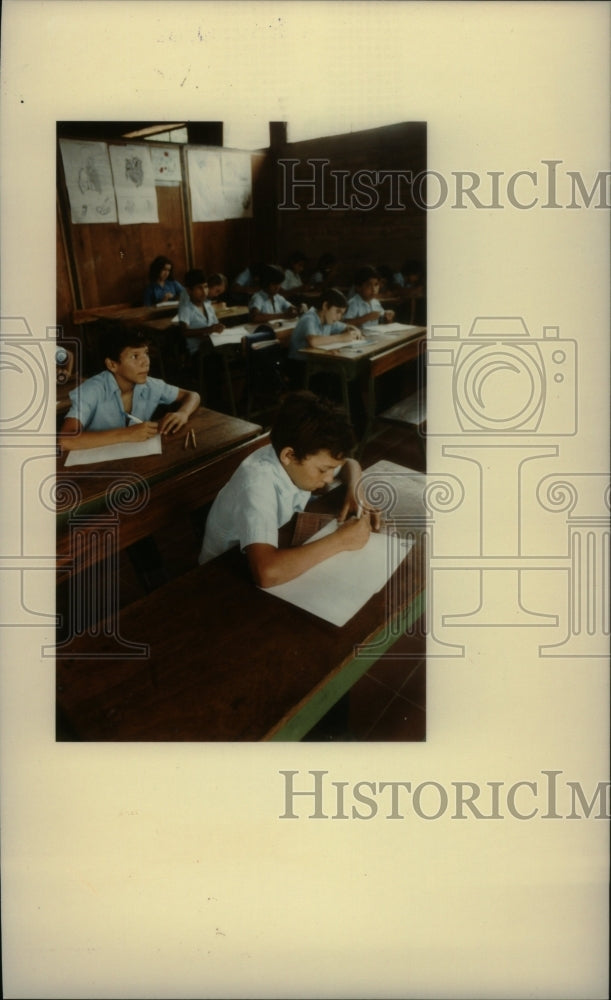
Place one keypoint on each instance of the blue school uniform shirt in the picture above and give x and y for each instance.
(98, 406)
(155, 293)
(359, 307)
(310, 325)
(189, 313)
(258, 499)
(264, 303)
(291, 280)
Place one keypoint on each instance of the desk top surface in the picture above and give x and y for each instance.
(375, 343)
(214, 433)
(227, 661)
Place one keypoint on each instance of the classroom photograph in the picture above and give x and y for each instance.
(241, 528)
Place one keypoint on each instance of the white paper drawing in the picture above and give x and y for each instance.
(205, 185)
(132, 171)
(89, 181)
(166, 165)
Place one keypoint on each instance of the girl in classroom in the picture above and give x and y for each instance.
(161, 287)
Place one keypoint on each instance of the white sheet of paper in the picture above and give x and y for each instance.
(388, 329)
(113, 452)
(340, 347)
(234, 335)
(352, 578)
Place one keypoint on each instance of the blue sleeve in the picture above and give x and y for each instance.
(84, 401)
(148, 298)
(306, 327)
(162, 392)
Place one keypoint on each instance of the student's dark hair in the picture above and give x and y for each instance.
(115, 337)
(157, 267)
(364, 273)
(326, 260)
(332, 297)
(412, 267)
(295, 258)
(385, 272)
(194, 277)
(217, 279)
(271, 274)
(308, 424)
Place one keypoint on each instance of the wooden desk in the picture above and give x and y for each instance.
(149, 491)
(352, 362)
(227, 661)
(126, 313)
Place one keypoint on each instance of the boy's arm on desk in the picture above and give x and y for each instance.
(271, 566)
(72, 435)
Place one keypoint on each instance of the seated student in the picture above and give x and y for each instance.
(118, 404)
(322, 324)
(293, 273)
(310, 441)
(161, 287)
(410, 276)
(268, 304)
(410, 286)
(217, 286)
(364, 306)
(386, 279)
(196, 311)
(325, 268)
(246, 284)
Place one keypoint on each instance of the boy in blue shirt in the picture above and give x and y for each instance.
(364, 306)
(268, 304)
(323, 320)
(118, 404)
(196, 312)
(310, 441)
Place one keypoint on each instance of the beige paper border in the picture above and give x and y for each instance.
(139, 871)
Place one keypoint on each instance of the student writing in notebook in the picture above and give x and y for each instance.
(311, 440)
(118, 404)
(196, 313)
(322, 324)
(364, 306)
(268, 303)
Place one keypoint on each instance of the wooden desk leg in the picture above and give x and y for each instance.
(314, 369)
(229, 385)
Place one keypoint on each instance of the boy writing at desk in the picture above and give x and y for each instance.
(364, 307)
(117, 404)
(310, 442)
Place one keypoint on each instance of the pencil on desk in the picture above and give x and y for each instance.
(192, 433)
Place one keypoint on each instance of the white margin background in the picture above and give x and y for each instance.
(163, 870)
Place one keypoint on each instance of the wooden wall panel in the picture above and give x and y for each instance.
(231, 245)
(379, 235)
(107, 263)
